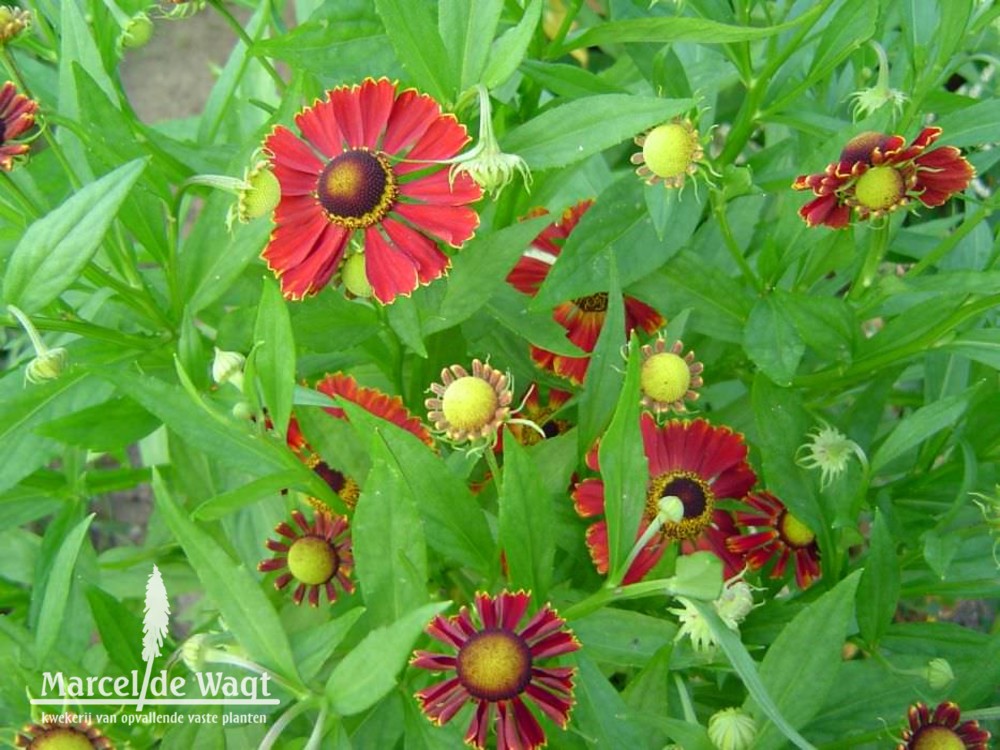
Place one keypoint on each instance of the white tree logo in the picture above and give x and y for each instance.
(154, 626)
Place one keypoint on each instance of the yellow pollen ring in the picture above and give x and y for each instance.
(938, 738)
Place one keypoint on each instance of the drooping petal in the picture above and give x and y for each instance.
(390, 271)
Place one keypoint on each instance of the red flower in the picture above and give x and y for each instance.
(317, 557)
(942, 730)
(583, 317)
(878, 173)
(17, 114)
(779, 535)
(693, 461)
(389, 408)
(364, 164)
(495, 665)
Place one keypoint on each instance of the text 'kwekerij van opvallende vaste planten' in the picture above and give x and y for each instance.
(502, 374)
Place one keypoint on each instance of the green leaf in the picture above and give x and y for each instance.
(914, 428)
(389, 547)
(467, 30)
(741, 661)
(248, 613)
(510, 309)
(453, 522)
(55, 599)
(567, 80)
(246, 494)
(573, 131)
(57, 247)
(404, 319)
(602, 386)
(607, 236)
(318, 644)
(674, 29)
(801, 666)
(120, 629)
(107, 426)
(622, 638)
(599, 709)
(982, 345)
(369, 672)
(275, 342)
(772, 342)
(509, 50)
(412, 32)
(850, 27)
(480, 270)
(329, 322)
(624, 470)
(880, 582)
(826, 324)
(973, 125)
(527, 517)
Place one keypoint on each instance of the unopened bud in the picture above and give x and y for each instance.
(355, 277)
(938, 674)
(47, 366)
(12, 22)
(731, 729)
(228, 366)
(137, 32)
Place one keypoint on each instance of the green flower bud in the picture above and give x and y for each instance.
(731, 729)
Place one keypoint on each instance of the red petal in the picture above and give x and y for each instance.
(431, 262)
(346, 104)
(528, 274)
(376, 100)
(442, 140)
(318, 124)
(313, 272)
(510, 608)
(437, 188)
(451, 224)
(390, 271)
(597, 543)
(553, 706)
(291, 151)
(588, 498)
(412, 113)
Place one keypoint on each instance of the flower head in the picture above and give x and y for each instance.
(470, 407)
(828, 450)
(667, 378)
(692, 461)
(137, 32)
(870, 100)
(495, 667)
(731, 729)
(364, 165)
(941, 730)
(732, 606)
(878, 173)
(13, 21)
(582, 317)
(670, 153)
(313, 555)
(62, 733)
(258, 194)
(486, 163)
(228, 366)
(17, 115)
(778, 536)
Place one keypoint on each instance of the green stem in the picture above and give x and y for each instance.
(36, 341)
(491, 460)
(91, 331)
(686, 706)
(608, 594)
(869, 268)
(554, 48)
(719, 211)
(865, 367)
(238, 29)
(745, 118)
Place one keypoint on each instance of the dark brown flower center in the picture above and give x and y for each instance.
(357, 188)
(593, 303)
(494, 665)
(62, 738)
(937, 738)
(861, 146)
(3, 130)
(695, 495)
(312, 560)
(339, 482)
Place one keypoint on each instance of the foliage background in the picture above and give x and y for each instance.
(906, 367)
